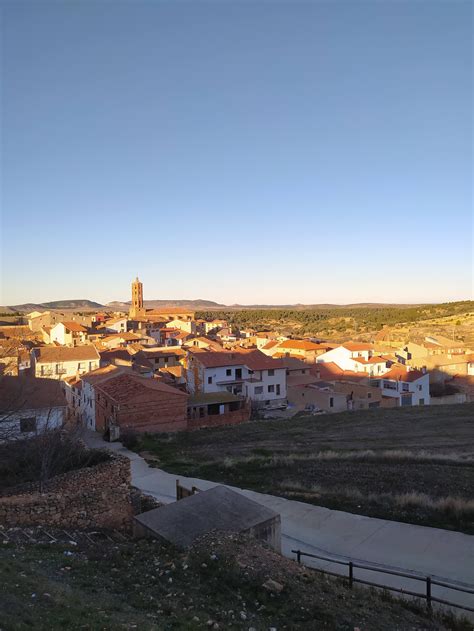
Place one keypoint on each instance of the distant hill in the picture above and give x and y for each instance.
(194, 305)
(80, 304)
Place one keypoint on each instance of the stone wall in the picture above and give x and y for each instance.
(92, 497)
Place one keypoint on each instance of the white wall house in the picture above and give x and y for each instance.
(30, 406)
(356, 358)
(116, 325)
(408, 386)
(58, 362)
(88, 394)
(252, 375)
(68, 334)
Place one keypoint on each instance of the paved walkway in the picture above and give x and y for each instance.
(424, 551)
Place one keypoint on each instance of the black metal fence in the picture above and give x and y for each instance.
(428, 580)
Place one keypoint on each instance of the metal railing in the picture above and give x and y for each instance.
(428, 580)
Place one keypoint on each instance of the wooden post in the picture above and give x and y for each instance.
(428, 592)
(351, 574)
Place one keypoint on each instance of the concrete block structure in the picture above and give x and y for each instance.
(217, 509)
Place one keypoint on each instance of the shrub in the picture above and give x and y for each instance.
(130, 439)
(43, 457)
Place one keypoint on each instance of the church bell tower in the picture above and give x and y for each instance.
(136, 308)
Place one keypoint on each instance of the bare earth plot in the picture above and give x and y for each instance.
(414, 465)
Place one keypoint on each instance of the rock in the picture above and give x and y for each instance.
(273, 586)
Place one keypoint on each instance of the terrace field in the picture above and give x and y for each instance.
(413, 464)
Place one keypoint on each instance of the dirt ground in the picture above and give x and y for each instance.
(223, 582)
(414, 465)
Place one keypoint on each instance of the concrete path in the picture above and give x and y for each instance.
(422, 551)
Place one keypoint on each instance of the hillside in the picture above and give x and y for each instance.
(341, 322)
(79, 303)
(222, 582)
(192, 305)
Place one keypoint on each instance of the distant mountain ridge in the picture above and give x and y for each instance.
(157, 304)
(78, 303)
(199, 304)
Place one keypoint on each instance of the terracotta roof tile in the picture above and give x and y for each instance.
(75, 327)
(253, 359)
(125, 387)
(49, 354)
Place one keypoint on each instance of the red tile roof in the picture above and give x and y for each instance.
(270, 344)
(304, 345)
(125, 387)
(371, 360)
(329, 371)
(75, 327)
(100, 374)
(357, 346)
(400, 373)
(28, 393)
(49, 354)
(253, 359)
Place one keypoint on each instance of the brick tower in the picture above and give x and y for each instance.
(136, 308)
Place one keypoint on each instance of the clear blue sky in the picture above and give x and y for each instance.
(246, 152)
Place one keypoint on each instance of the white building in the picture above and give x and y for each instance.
(58, 362)
(356, 357)
(30, 406)
(116, 325)
(250, 374)
(68, 334)
(87, 401)
(408, 386)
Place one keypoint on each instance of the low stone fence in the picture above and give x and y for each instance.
(92, 497)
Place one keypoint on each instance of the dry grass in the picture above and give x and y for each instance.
(365, 455)
(456, 506)
(394, 455)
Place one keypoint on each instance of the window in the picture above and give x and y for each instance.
(420, 387)
(422, 402)
(259, 390)
(271, 388)
(369, 395)
(28, 424)
(278, 388)
(209, 380)
(331, 402)
(271, 372)
(228, 372)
